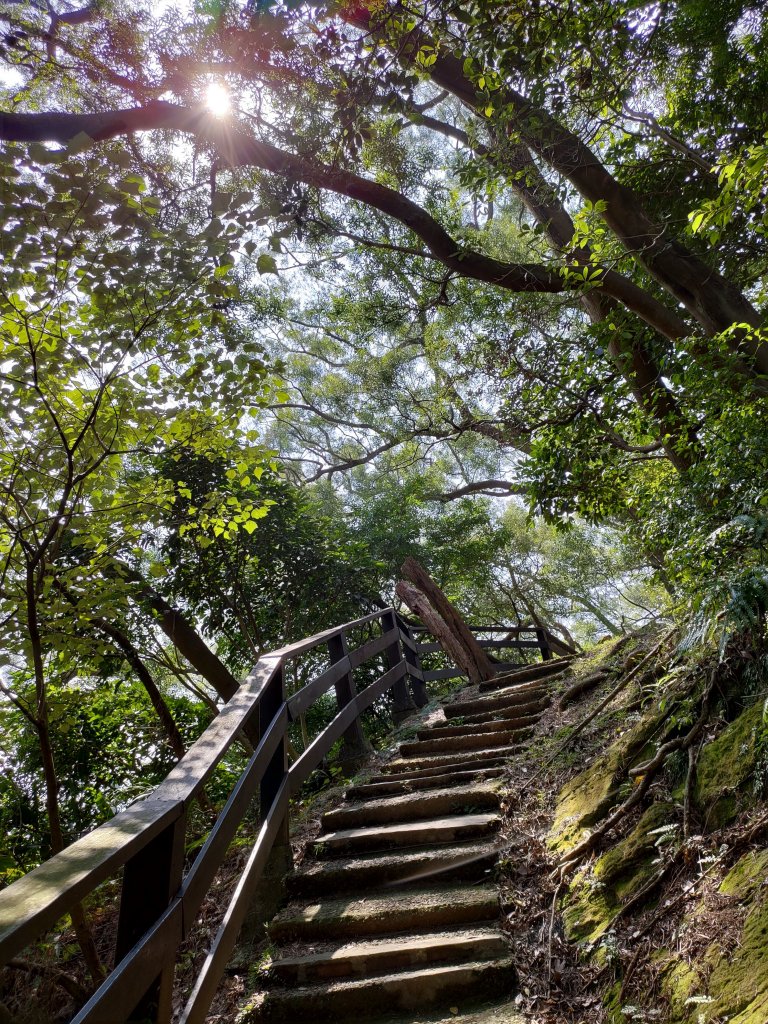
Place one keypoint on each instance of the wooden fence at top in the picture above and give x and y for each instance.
(160, 900)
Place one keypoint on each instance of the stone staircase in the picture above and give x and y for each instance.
(395, 910)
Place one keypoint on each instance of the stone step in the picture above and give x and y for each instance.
(409, 910)
(533, 707)
(429, 778)
(542, 670)
(367, 959)
(408, 833)
(411, 807)
(495, 1011)
(400, 992)
(489, 728)
(505, 700)
(497, 741)
(466, 861)
(490, 756)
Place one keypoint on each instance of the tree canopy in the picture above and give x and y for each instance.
(293, 291)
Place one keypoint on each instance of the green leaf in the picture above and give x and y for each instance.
(266, 264)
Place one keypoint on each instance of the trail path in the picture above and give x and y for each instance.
(394, 913)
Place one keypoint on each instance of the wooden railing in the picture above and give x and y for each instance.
(502, 638)
(160, 900)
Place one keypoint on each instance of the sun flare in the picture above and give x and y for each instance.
(218, 99)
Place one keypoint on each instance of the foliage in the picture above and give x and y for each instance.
(361, 220)
(115, 719)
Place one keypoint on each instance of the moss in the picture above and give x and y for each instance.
(726, 768)
(613, 1005)
(738, 984)
(587, 798)
(746, 876)
(679, 981)
(594, 899)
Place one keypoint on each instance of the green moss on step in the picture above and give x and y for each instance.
(726, 768)
(594, 898)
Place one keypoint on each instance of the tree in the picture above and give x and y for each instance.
(486, 82)
(115, 352)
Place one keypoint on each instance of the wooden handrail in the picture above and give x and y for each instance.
(152, 829)
(159, 901)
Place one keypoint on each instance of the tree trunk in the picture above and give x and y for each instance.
(185, 637)
(469, 657)
(132, 656)
(633, 358)
(418, 575)
(77, 913)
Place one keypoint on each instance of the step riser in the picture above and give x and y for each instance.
(539, 667)
(489, 729)
(526, 676)
(426, 836)
(499, 742)
(443, 950)
(440, 762)
(388, 787)
(402, 919)
(400, 993)
(414, 807)
(503, 702)
(502, 714)
(474, 868)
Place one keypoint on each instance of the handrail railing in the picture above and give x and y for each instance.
(538, 639)
(159, 900)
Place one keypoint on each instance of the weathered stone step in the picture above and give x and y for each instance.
(482, 741)
(504, 700)
(466, 861)
(497, 1011)
(489, 728)
(403, 991)
(409, 910)
(366, 959)
(411, 807)
(408, 833)
(429, 778)
(489, 756)
(542, 670)
(529, 707)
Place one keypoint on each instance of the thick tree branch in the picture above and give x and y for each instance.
(491, 488)
(714, 301)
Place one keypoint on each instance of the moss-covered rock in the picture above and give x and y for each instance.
(726, 769)
(738, 984)
(679, 981)
(595, 897)
(588, 797)
(747, 877)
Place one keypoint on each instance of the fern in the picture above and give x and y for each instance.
(731, 606)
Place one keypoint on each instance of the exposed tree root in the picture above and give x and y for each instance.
(645, 773)
(622, 684)
(69, 985)
(581, 686)
(690, 782)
